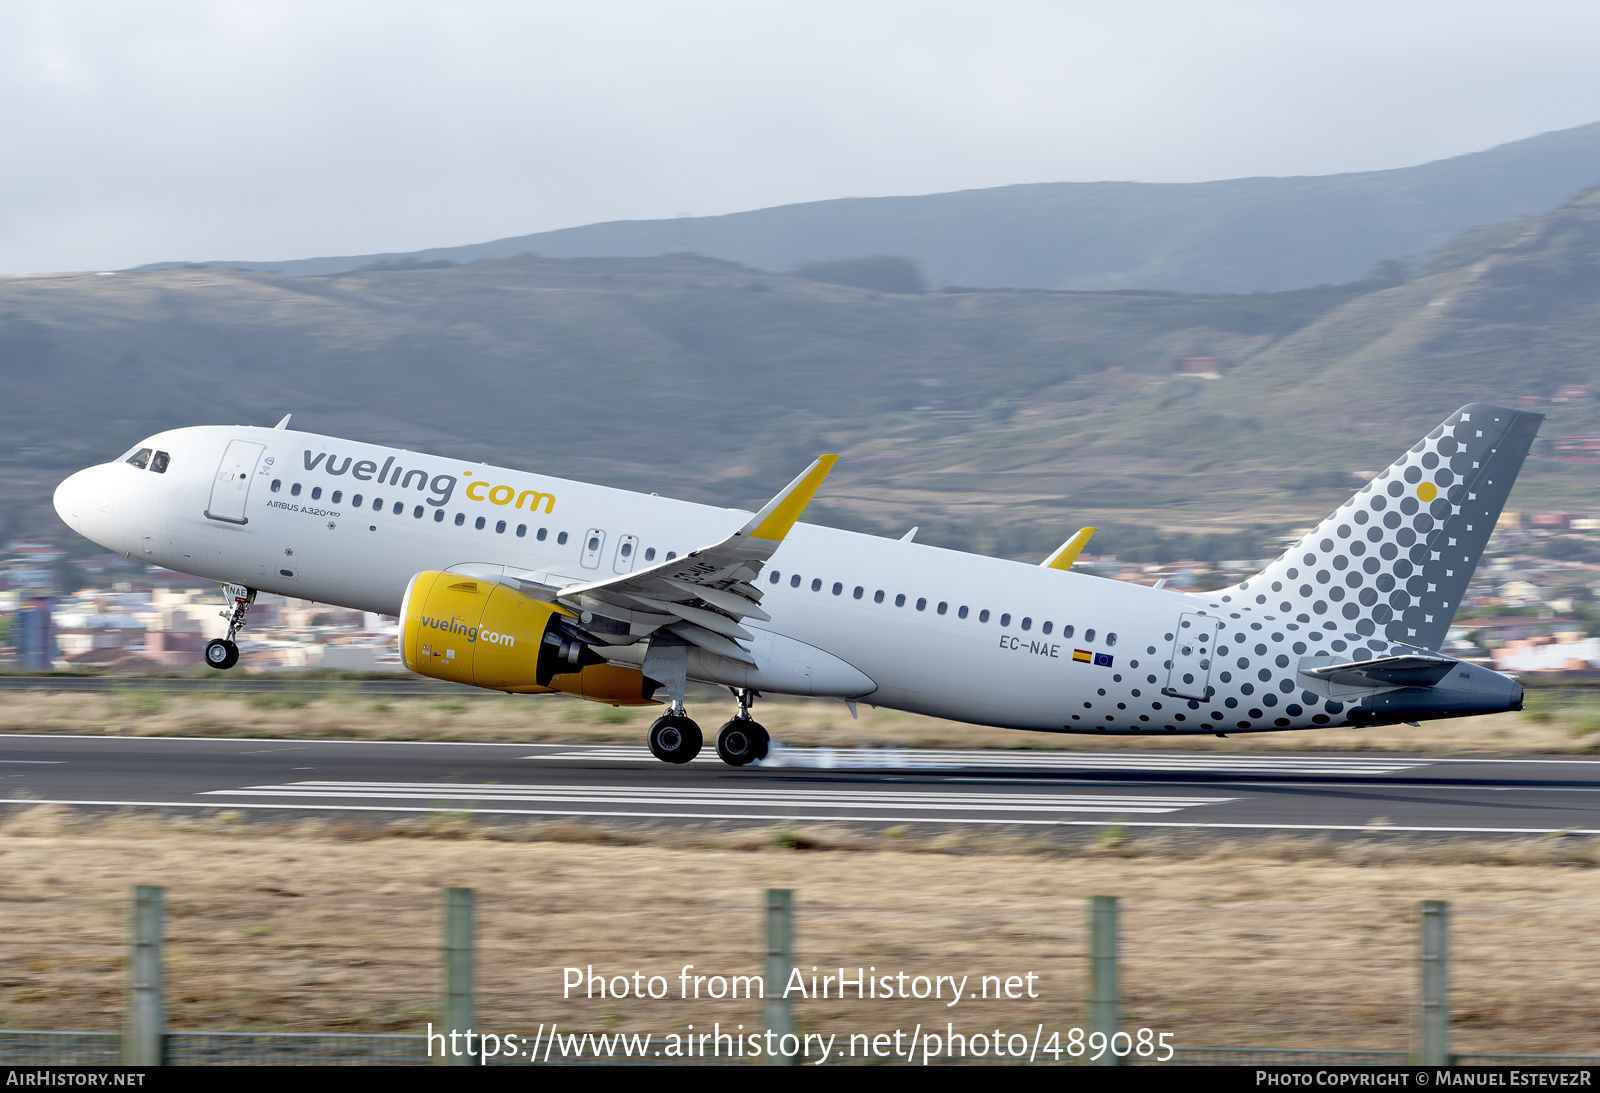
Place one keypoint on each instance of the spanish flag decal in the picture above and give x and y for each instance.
(1083, 655)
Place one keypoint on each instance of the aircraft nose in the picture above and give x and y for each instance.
(77, 497)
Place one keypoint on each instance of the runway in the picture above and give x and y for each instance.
(1278, 792)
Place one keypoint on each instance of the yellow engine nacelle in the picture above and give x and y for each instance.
(484, 634)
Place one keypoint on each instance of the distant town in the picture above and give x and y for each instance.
(1533, 608)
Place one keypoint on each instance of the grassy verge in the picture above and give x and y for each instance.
(1556, 722)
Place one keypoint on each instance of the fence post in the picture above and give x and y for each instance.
(458, 985)
(1105, 995)
(1433, 1017)
(144, 1037)
(780, 963)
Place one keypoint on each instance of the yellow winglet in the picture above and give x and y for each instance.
(779, 515)
(1068, 552)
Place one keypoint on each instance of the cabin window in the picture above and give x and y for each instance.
(400, 507)
(1027, 623)
(338, 495)
(1066, 631)
(1005, 619)
(1047, 627)
(316, 493)
(649, 554)
(438, 516)
(900, 600)
(838, 589)
(627, 550)
(294, 490)
(794, 581)
(943, 607)
(377, 504)
(479, 522)
(561, 539)
(671, 554)
(859, 592)
(161, 460)
(594, 540)
(776, 577)
(542, 533)
(961, 612)
(877, 597)
(522, 531)
(461, 518)
(816, 584)
(500, 527)
(1111, 639)
(1088, 635)
(355, 500)
(277, 484)
(416, 513)
(983, 616)
(922, 603)
(140, 458)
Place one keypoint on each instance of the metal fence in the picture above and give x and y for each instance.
(471, 995)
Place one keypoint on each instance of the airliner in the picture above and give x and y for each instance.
(528, 584)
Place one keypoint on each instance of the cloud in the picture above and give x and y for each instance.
(207, 130)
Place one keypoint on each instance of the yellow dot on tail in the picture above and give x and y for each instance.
(1427, 491)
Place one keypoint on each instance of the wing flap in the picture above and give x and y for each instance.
(708, 591)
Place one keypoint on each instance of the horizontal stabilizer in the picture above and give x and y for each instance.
(1408, 670)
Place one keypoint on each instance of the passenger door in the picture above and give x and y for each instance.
(1194, 647)
(231, 488)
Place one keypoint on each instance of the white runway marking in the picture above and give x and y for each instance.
(780, 800)
(914, 759)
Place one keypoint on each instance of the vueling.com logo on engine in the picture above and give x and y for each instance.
(471, 633)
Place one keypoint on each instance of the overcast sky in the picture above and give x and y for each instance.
(133, 132)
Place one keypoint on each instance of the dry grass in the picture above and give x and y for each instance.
(328, 925)
(1556, 723)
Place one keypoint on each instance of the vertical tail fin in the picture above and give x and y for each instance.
(1391, 565)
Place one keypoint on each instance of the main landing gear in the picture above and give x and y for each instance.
(675, 738)
(742, 740)
(223, 653)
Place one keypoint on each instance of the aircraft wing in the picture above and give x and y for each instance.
(1406, 670)
(703, 596)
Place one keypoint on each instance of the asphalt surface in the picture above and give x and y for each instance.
(1350, 793)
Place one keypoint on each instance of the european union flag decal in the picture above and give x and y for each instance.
(1102, 660)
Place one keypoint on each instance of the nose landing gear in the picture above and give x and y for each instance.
(223, 653)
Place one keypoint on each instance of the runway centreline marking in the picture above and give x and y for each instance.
(912, 758)
(1115, 822)
(776, 798)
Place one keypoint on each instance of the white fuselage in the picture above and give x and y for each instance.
(935, 631)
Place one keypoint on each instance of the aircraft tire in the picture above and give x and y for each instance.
(675, 739)
(741, 742)
(221, 654)
(763, 740)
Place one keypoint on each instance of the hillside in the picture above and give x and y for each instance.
(998, 421)
(1237, 235)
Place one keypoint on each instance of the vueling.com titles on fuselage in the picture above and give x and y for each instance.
(441, 486)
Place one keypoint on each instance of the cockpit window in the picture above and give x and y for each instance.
(159, 463)
(140, 458)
